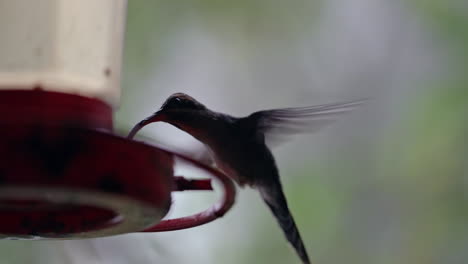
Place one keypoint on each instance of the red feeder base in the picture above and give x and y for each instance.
(64, 175)
(62, 178)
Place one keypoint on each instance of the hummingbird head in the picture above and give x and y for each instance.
(179, 110)
(181, 102)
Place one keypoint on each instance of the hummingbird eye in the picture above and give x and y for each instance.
(182, 102)
(179, 103)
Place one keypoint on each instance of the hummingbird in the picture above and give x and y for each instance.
(239, 146)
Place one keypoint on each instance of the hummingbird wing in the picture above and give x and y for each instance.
(275, 124)
(274, 197)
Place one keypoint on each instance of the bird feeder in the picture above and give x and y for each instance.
(64, 174)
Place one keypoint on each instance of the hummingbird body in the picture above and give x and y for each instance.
(239, 149)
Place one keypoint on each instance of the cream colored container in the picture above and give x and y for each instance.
(70, 46)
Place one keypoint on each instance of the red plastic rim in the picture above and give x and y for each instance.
(212, 213)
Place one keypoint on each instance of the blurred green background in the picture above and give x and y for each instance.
(387, 183)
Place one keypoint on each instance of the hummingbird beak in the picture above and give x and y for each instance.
(159, 115)
(156, 117)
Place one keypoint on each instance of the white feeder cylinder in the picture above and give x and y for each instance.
(70, 46)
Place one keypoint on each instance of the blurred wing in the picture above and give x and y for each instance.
(277, 124)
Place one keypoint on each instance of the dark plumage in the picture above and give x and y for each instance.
(239, 148)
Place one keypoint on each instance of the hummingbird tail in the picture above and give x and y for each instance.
(274, 197)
